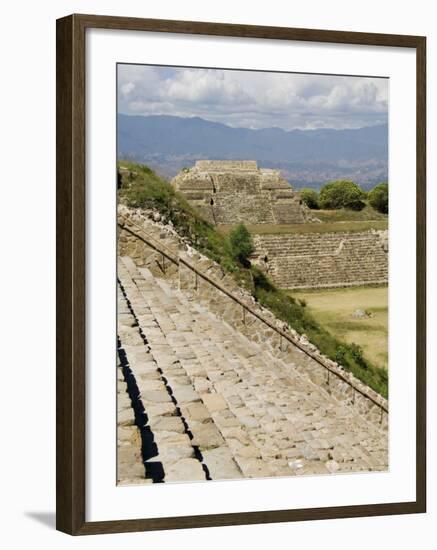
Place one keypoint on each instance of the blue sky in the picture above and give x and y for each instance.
(253, 99)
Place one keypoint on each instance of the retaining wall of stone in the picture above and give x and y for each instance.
(319, 260)
(230, 192)
(231, 312)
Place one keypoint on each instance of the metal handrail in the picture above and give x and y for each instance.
(178, 260)
(151, 244)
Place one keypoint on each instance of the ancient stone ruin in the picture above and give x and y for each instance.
(234, 191)
(227, 397)
(323, 260)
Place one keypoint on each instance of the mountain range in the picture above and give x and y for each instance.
(305, 157)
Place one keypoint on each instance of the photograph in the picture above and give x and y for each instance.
(252, 274)
(221, 260)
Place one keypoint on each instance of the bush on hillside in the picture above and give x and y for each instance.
(310, 197)
(341, 194)
(378, 198)
(147, 190)
(241, 244)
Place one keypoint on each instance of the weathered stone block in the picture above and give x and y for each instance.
(230, 192)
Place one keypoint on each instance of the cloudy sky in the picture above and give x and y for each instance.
(253, 99)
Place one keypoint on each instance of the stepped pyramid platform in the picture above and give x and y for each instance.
(323, 260)
(232, 191)
(197, 400)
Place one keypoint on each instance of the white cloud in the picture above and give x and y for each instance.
(254, 99)
(127, 88)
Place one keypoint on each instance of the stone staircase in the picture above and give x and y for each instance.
(240, 192)
(197, 400)
(285, 212)
(312, 260)
(251, 207)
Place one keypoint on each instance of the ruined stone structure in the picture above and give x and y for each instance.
(208, 393)
(229, 192)
(318, 260)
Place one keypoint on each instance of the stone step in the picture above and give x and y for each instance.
(174, 449)
(325, 259)
(205, 437)
(248, 411)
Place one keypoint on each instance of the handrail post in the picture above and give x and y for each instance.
(179, 274)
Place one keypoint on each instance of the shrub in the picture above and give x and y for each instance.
(340, 354)
(357, 354)
(261, 281)
(310, 197)
(241, 243)
(341, 194)
(378, 198)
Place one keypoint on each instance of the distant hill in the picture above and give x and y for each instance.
(306, 157)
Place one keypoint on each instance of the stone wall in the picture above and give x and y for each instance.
(220, 165)
(318, 260)
(199, 289)
(229, 192)
(143, 255)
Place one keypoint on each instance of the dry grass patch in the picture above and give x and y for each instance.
(346, 215)
(334, 308)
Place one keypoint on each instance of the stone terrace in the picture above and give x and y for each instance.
(312, 364)
(198, 400)
(230, 191)
(315, 260)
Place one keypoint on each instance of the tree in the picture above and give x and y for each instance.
(310, 197)
(241, 243)
(378, 198)
(341, 194)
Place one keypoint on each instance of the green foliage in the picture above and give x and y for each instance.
(378, 198)
(310, 197)
(340, 354)
(261, 281)
(143, 188)
(147, 190)
(357, 353)
(241, 244)
(341, 194)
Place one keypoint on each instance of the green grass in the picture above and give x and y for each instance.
(333, 309)
(345, 215)
(328, 227)
(142, 188)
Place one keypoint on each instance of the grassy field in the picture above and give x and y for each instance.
(333, 308)
(344, 215)
(328, 227)
(332, 221)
